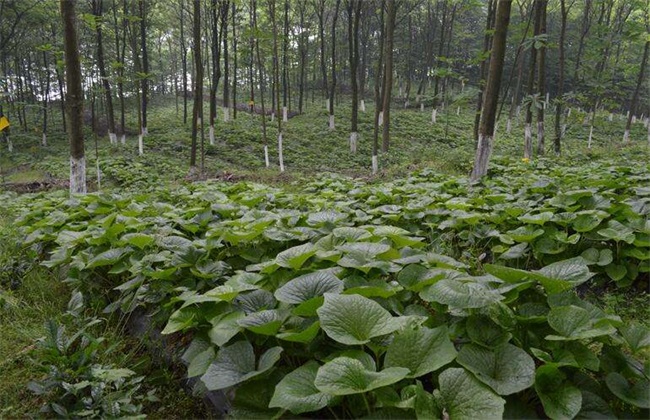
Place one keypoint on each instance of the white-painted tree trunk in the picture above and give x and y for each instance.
(381, 118)
(327, 104)
(280, 151)
(568, 112)
(591, 133)
(211, 135)
(78, 175)
(458, 111)
(272, 116)
(406, 104)
(145, 131)
(123, 139)
(434, 116)
(99, 175)
(141, 144)
(362, 106)
(626, 136)
(266, 156)
(646, 122)
(518, 110)
(10, 145)
(563, 129)
(285, 114)
(508, 125)
(633, 119)
(112, 137)
(540, 136)
(528, 141)
(421, 106)
(354, 136)
(331, 122)
(375, 164)
(44, 140)
(483, 153)
(548, 100)
(226, 113)
(610, 118)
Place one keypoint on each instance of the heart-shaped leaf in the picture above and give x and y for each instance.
(236, 363)
(464, 397)
(421, 350)
(309, 286)
(346, 376)
(506, 369)
(353, 319)
(297, 393)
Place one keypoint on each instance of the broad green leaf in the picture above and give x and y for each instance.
(351, 234)
(560, 399)
(514, 252)
(200, 363)
(506, 369)
(266, 322)
(295, 257)
(601, 257)
(575, 323)
(180, 320)
(139, 240)
(637, 336)
(353, 319)
(421, 350)
(637, 394)
(305, 335)
(485, 332)
(364, 251)
(236, 363)
(109, 257)
(346, 376)
(225, 327)
(536, 219)
(618, 232)
(297, 393)
(464, 397)
(309, 286)
(255, 301)
(616, 272)
(507, 274)
(460, 293)
(562, 275)
(586, 222)
(525, 233)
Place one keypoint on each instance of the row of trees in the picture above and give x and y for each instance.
(412, 53)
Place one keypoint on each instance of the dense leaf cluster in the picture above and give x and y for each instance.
(349, 298)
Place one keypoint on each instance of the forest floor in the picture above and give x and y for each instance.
(37, 293)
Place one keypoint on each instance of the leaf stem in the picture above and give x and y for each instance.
(365, 400)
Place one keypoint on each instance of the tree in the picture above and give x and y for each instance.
(639, 82)
(559, 102)
(98, 11)
(74, 98)
(391, 11)
(354, 15)
(145, 64)
(197, 112)
(333, 85)
(491, 96)
(541, 76)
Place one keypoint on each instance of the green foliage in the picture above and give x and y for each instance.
(340, 298)
(76, 385)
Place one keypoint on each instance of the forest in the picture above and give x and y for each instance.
(431, 209)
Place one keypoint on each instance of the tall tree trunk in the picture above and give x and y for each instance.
(234, 60)
(528, 133)
(75, 98)
(251, 40)
(491, 97)
(285, 62)
(197, 112)
(541, 78)
(302, 50)
(183, 59)
(333, 85)
(639, 82)
(559, 103)
(276, 78)
(145, 65)
(586, 24)
(226, 61)
(320, 12)
(260, 71)
(46, 98)
(98, 6)
(391, 10)
(487, 40)
(378, 92)
(354, 14)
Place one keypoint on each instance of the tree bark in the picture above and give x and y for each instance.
(197, 112)
(75, 98)
(559, 103)
(639, 83)
(491, 97)
(388, 73)
(541, 78)
(145, 65)
(333, 85)
(98, 6)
